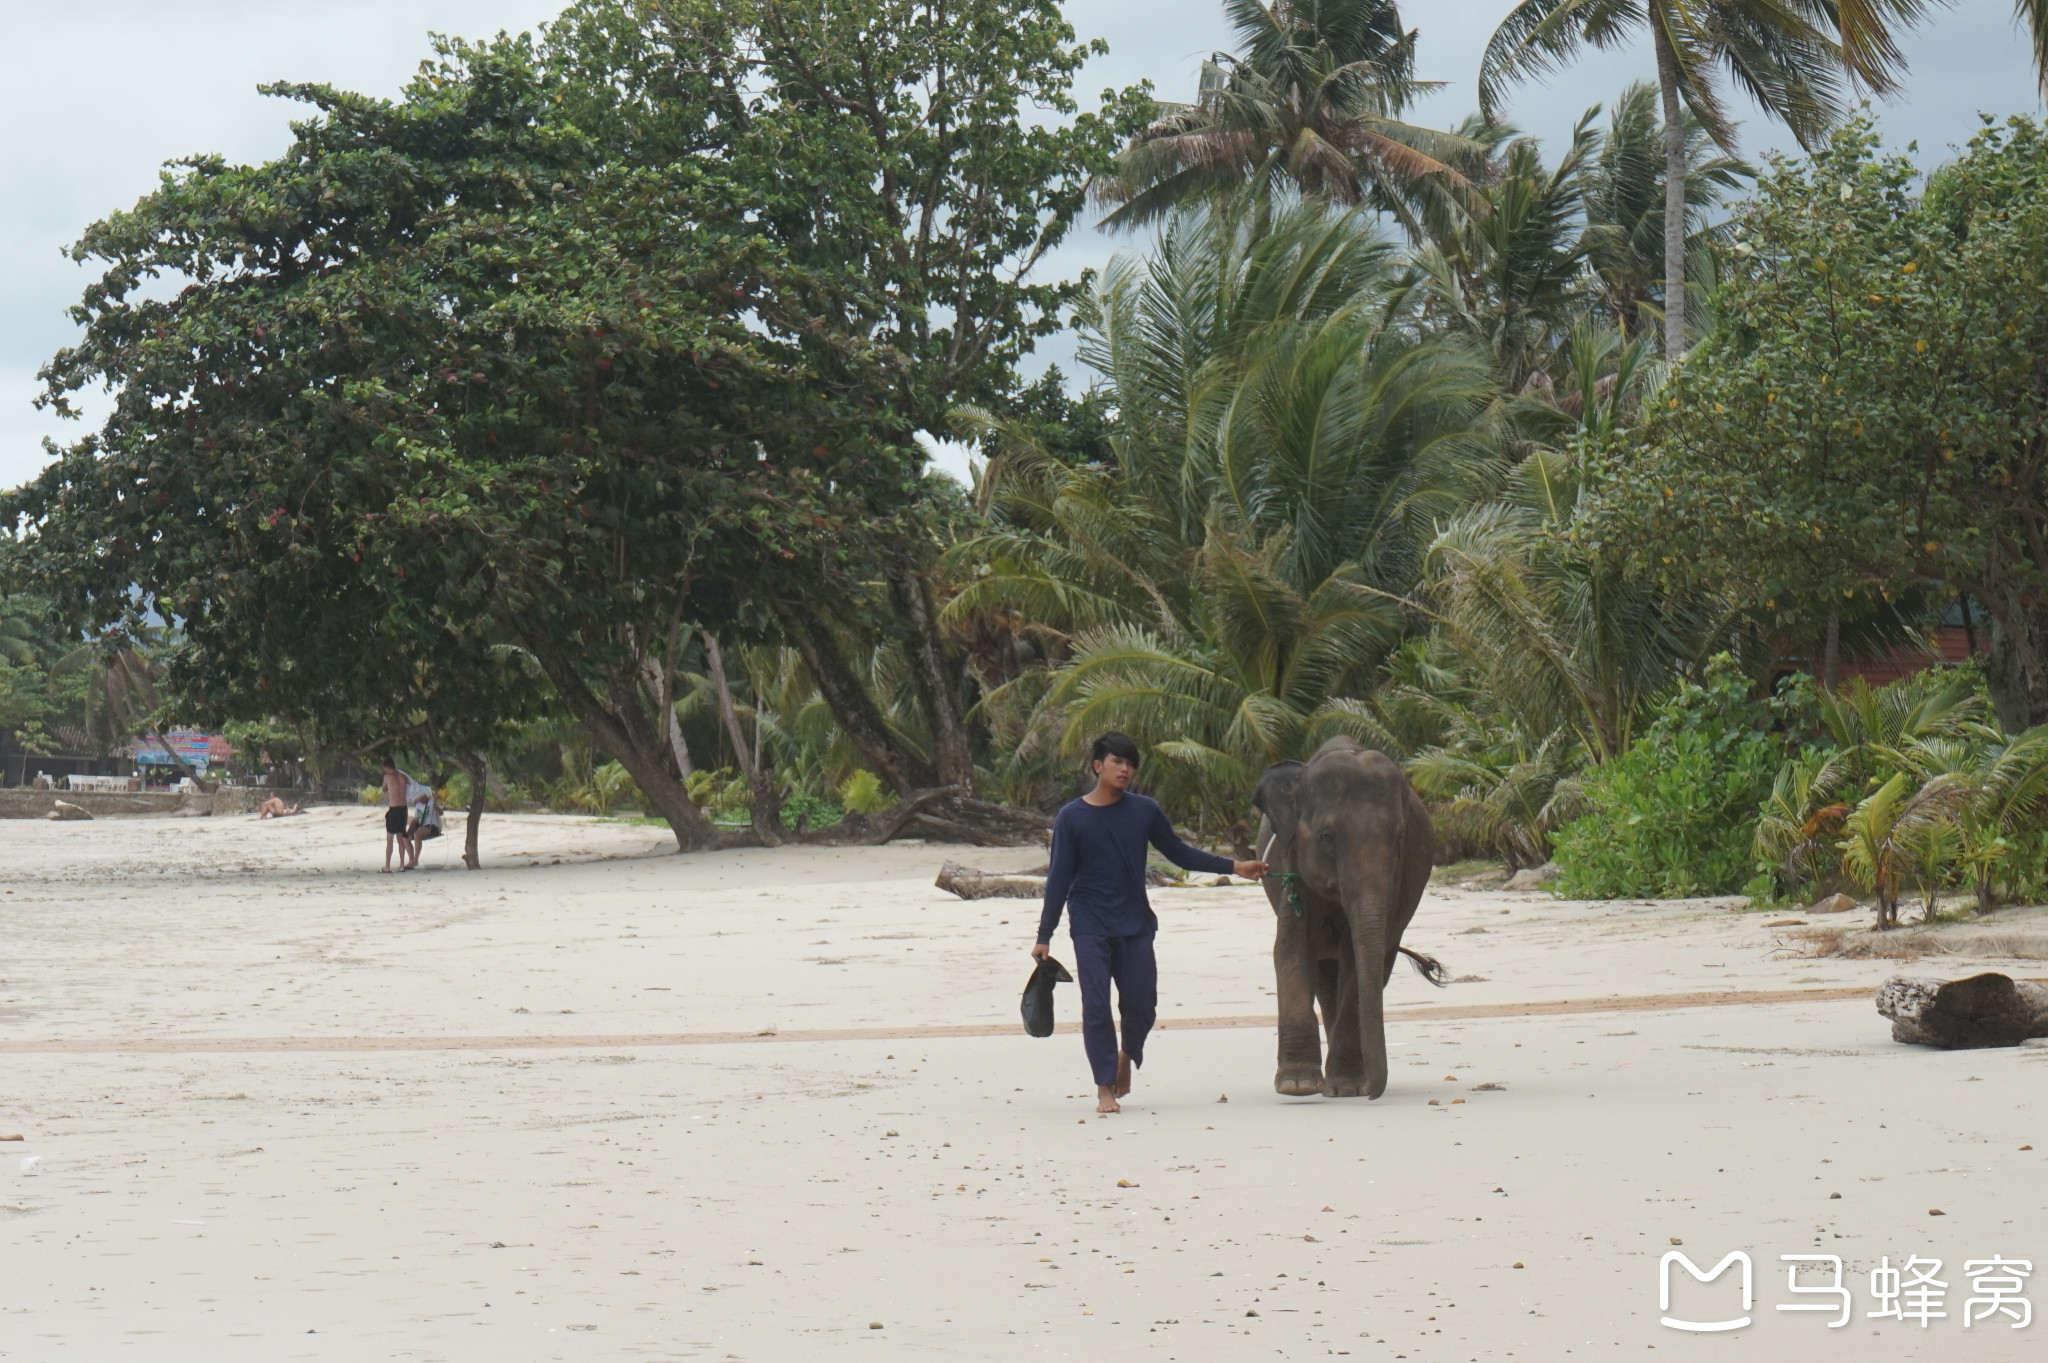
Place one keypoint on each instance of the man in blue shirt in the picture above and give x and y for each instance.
(1098, 874)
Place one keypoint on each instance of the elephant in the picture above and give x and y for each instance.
(1351, 848)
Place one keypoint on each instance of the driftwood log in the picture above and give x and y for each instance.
(971, 882)
(943, 814)
(1983, 1010)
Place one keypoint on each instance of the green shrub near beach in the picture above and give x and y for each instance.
(1675, 814)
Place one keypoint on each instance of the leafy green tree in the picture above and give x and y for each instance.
(1785, 57)
(1868, 421)
(897, 146)
(1310, 102)
(398, 417)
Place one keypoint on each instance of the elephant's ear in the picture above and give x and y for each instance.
(1276, 795)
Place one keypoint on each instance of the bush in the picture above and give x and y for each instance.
(814, 810)
(1676, 814)
(863, 794)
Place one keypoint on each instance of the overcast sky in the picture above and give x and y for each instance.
(94, 98)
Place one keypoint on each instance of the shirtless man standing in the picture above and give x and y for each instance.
(396, 783)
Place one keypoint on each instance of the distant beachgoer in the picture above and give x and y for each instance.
(396, 784)
(276, 808)
(426, 823)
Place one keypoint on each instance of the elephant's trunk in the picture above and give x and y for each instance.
(1370, 956)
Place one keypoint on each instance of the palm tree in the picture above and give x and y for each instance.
(1508, 795)
(1311, 100)
(1510, 274)
(2035, 15)
(1784, 56)
(121, 696)
(1885, 835)
(2008, 782)
(1286, 442)
(1624, 196)
(1564, 637)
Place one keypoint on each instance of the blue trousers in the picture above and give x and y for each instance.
(1129, 962)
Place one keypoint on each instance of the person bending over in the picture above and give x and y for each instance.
(1098, 877)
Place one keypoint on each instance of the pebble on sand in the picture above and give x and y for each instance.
(874, 1325)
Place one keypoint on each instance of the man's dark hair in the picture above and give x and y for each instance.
(1112, 743)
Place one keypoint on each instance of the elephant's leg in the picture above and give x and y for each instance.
(1370, 969)
(1344, 1072)
(1326, 999)
(1300, 1070)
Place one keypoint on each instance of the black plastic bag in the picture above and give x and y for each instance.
(1037, 1006)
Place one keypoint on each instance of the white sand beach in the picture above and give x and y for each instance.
(576, 1106)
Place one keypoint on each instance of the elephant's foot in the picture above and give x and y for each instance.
(1298, 1081)
(1337, 1085)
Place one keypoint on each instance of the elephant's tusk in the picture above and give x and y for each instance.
(1268, 852)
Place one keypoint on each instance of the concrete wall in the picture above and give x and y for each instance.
(36, 804)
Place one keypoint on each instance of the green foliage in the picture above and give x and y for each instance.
(1910, 787)
(809, 811)
(1309, 102)
(1565, 638)
(1675, 814)
(724, 794)
(1865, 422)
(1223, 589)
(862, 793)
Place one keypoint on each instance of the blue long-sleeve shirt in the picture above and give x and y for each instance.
(1098, 866)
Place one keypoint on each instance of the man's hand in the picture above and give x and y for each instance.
(1250, 870)
(1040, 951)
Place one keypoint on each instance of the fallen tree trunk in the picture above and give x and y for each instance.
(944, 814)
(1983, 1010)
(971, 882)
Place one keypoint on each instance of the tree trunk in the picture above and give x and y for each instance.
(766, 807)
(952, 756)
(658, 677)
(902, 766)
(620, 726)
(1674, 193)
(1831, 653)
(2016, 669)
(479, 791)
(1983, 1010)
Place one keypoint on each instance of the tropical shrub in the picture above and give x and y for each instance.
(862, 793)
(1676, 813)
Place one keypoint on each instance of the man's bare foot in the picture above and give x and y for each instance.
(1105, 1098)
(1123, 1074)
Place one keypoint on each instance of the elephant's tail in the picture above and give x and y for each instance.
(1429, 967)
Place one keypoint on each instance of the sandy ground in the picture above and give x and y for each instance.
(490, 1196)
